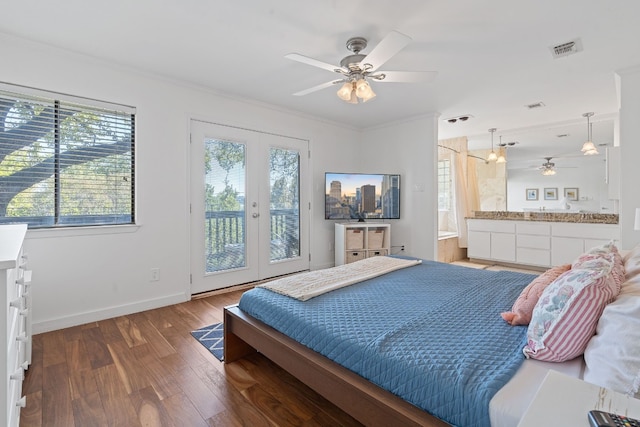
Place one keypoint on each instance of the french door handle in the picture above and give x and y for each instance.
(255, 215)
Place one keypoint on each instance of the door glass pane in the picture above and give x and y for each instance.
(225, 240)
(284, 203)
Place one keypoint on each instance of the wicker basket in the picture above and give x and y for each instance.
(377, 252)
(355, 238)
(355, 256)
(376, 238)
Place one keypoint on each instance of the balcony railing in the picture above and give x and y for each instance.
(225, 237)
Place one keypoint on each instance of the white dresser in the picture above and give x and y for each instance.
(15, 279)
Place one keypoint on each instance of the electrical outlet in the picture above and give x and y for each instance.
(402, 248)
(155, 275)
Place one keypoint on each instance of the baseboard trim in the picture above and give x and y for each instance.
(107, 313)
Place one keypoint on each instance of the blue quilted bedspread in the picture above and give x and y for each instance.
(431, 334)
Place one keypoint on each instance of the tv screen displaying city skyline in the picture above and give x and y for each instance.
(362, 196)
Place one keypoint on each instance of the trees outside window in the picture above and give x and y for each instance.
(65, 162)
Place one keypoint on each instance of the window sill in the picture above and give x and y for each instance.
(44, 233)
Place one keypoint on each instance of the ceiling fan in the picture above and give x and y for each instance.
(548, 167)
(357, 69)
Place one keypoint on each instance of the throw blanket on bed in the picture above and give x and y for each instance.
(305, 286)
(431, 334)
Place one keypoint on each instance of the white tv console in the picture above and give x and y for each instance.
(359, 240)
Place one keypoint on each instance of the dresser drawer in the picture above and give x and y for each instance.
(537, 228)
(13, 408)
(534, 242)
(16, 340)
(496, 226)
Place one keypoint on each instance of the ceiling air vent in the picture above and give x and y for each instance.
(535, 105)
(566, 49)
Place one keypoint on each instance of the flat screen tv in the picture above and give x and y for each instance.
(362, 196)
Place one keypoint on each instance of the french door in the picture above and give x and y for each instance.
(249, 217)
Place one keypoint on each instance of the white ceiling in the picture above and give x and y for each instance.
(492, 56)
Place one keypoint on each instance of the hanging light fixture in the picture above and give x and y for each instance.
(492, 155)
(548, 167)
(589, 148)
(501, 152)
(356, 89)
(344, 92)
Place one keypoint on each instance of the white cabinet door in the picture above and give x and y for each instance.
(503, 246)
(479, 244)
(539, 257)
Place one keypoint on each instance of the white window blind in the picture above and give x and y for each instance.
(65, 162)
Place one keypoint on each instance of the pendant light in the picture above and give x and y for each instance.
(589, 148)
(501, 156)
(492, 155)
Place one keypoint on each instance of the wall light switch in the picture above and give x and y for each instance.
(419, 188)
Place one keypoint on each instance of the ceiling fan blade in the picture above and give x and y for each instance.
(318, 87)
(313, 62)
(393, 43)
(407, 76)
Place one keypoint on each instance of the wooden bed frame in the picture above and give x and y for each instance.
(363, 400)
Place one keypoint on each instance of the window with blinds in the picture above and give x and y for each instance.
(65, 161)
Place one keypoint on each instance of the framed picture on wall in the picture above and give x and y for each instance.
(571, 194)
(532, 194)
(551, 194)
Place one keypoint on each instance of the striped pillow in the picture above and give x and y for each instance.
(567, 313)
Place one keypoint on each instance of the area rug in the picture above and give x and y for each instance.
(212, 338)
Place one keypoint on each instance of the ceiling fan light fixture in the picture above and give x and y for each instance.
(344, 92)
(363, 90)
(548, 171)
(353, 99)
(369, 96)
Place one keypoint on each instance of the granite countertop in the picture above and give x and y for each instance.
(587, 218)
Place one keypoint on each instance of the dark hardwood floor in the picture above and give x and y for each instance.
(146, 369)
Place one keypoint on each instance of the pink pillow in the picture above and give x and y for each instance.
(567, 313)
(522, 309)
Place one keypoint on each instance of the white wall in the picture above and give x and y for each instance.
(409, 148)
(629, 90)
(88, 275)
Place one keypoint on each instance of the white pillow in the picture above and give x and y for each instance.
(612, 356)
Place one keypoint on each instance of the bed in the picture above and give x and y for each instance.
(266, 322)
